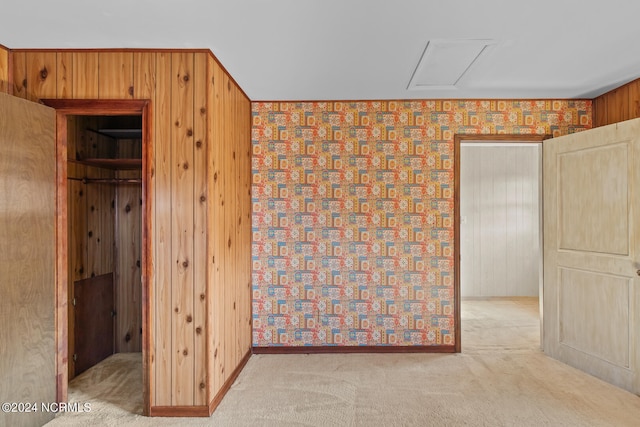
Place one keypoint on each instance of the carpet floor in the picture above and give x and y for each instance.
(501, 378)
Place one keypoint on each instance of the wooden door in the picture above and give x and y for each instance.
(591, 252)
(94, 318)
(27, 258)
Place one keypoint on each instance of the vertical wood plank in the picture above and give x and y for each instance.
(100, 199)
(500, 186)
(519, 202)
(623, 103)
(240, 191)
(486, 221)
(512, 208)
(116, 75)
(163, 262)
(64, 75)
(634, 99)
(530, 230)
(238, 255)
(215, 127)
(85, 75)
(83, 143)
(618, 105)
(245, 202)
(100, 202)
(229, 229)
(182, 185)
(4, 69)
(128, 235)
(100, 225)
(600, 111)
(612, 112)
(220, 129)
(19, 74)
(41, 75)
(200, 203)
(144, 72)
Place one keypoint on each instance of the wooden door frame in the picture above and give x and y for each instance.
(92, 107)
(458, 139)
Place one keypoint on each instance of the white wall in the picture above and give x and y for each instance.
(500, 226)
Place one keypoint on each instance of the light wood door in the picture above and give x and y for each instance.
(591, 252)
(27, 258)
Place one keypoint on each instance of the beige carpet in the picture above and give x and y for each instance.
(500, 379)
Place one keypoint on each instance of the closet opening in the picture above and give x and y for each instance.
(104, 212)
(103, 255)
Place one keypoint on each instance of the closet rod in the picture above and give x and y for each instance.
(108, 180)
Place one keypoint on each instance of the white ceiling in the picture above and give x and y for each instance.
(358, 49)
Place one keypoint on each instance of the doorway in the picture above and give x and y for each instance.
(498, 227)
(104, 210)
(103, 234)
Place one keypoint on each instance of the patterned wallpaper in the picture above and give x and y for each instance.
(353, 214)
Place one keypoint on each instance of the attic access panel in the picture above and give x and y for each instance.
(444, 63)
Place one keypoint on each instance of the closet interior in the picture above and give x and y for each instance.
(105, 231)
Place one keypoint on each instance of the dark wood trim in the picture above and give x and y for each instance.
(503, 137)
(355, 349)
(147, 258)
(457, 140)
(98, 107)
(92, 107)
(228, 383)
(179, 411)
(457, 319)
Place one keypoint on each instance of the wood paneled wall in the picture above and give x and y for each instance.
(230, 169)
(200, 293)
(617, 105)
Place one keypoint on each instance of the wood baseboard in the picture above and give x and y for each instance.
(227, 384)
(179, 411)
(201, 411)
(356, 349)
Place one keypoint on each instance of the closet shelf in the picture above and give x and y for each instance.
(117, 181)
(119, 133)
(115, 164)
